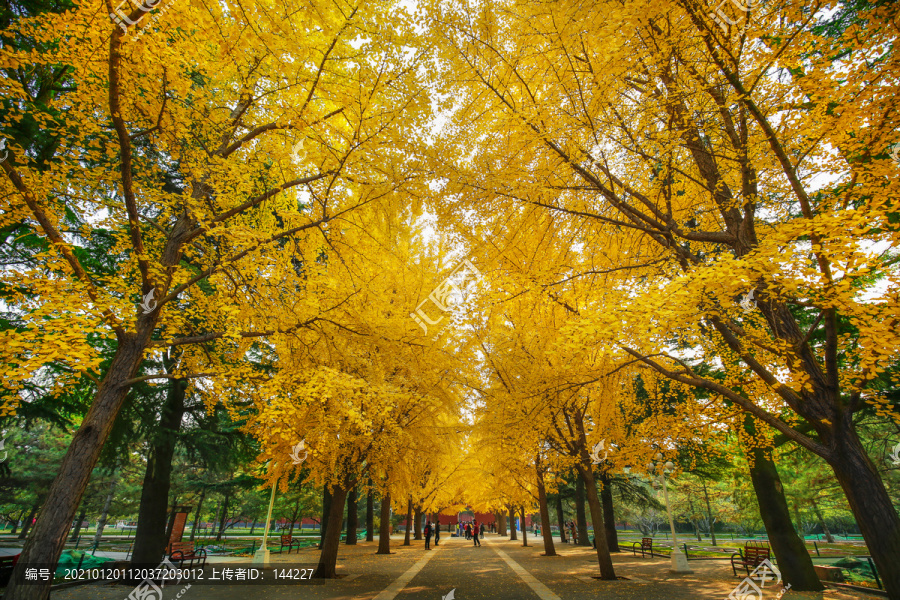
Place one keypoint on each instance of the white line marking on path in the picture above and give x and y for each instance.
(391, 591)
(539, 588)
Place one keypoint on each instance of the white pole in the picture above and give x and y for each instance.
(679, 560)
(262, 555)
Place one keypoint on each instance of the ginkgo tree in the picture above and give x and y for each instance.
(749, 159)
(180, 148)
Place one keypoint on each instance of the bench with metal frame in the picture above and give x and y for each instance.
(645, 545)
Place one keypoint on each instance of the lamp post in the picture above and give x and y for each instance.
(679, 560)
(261, 556)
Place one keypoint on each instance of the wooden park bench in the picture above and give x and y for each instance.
(289, 541)
(645, 545)
(183, 552)
(751, 556)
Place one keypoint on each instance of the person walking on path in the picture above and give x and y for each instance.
(468, 531)
(437, 533)
(427, 533)
(475, 537)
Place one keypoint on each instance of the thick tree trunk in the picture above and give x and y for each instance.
(326, 514)
(501, 524)
(197, 515)
(352, 517)
(224, 516)
(560, 520)
(709, 517)
(332, 540)
(524, 526)
(609, 515)
(822, 524)
(104, 514)
(512, 524)
(793, 558)
(26, 526)
(409, 513)
(549, 550)
(48, 539)
(150, 538)
(871, 505)
(580, 518)
(384, 532)
(77, 530)
(417, 517)
(603, 557)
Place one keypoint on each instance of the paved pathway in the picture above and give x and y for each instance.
(498, 570)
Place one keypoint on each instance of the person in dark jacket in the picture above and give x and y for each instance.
(437, 532)
(475, 531)
(427, 533)
(468, 531)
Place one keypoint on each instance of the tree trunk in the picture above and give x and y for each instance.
(294, 515)
(871, 505)
(560, 519)
(417, 517)
(26, 526)
(77, 531)
(197, 515)
(409, 513)
(549, 550)
(21, 520)
(693, 520)
(580, 518)
(712, 524)
(609, 515)
(104, 515)
(332, 539)
(48, 539)
(352, 517)
(501, 524)
(326, 515)
(512, 524)
(224, 516)
(370, 516)
(524, 526)
(150, 538)
(603, 557)
(384, 532)
(822, 524)
(793, 558)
